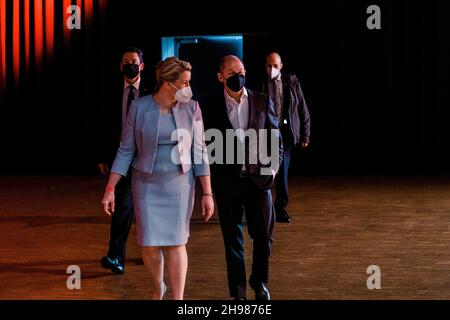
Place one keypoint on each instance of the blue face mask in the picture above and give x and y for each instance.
(236, 82)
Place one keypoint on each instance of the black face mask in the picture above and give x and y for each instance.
(130, 70)
(236, 82)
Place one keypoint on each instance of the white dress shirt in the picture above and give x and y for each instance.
(238, 113)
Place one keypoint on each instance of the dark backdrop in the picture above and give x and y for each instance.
(379, 99)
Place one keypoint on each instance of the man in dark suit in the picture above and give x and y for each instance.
(113, 115)
(295, 123)
(244, 185)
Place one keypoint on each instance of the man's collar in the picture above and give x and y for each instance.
(276, 78)
(228, 97)
(135, 84)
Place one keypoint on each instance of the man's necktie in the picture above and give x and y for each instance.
(131, 96)
(278, 92)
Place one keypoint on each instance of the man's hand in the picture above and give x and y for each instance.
(274, 174)
(305, 144)
(104, 168)
(108, 203)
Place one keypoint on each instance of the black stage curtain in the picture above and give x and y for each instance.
(379, 99)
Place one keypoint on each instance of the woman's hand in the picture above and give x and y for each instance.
(207, 207)
(108, 202)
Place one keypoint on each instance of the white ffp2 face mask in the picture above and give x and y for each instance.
(274, 73)
(183, 95)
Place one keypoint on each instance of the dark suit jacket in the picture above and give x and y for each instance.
(109, 124)
(261, 116)
(295, 110)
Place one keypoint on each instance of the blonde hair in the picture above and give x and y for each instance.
(169, 70)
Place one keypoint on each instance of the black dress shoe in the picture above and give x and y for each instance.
(282, 216)
(113, 264)
(262, 293)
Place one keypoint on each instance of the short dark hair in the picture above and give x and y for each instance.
(136, 50)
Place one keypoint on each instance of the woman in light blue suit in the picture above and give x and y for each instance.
(163, 141)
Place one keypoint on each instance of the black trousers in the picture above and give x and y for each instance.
(233, 196)
(121, 219)
(281, 181)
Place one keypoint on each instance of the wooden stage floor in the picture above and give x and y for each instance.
(341, 225)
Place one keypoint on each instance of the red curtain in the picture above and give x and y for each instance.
(36, 20)
(2, 45)
(49, 27)
(38, 33)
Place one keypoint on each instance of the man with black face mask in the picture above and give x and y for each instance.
(112, 118)
(244, 185)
